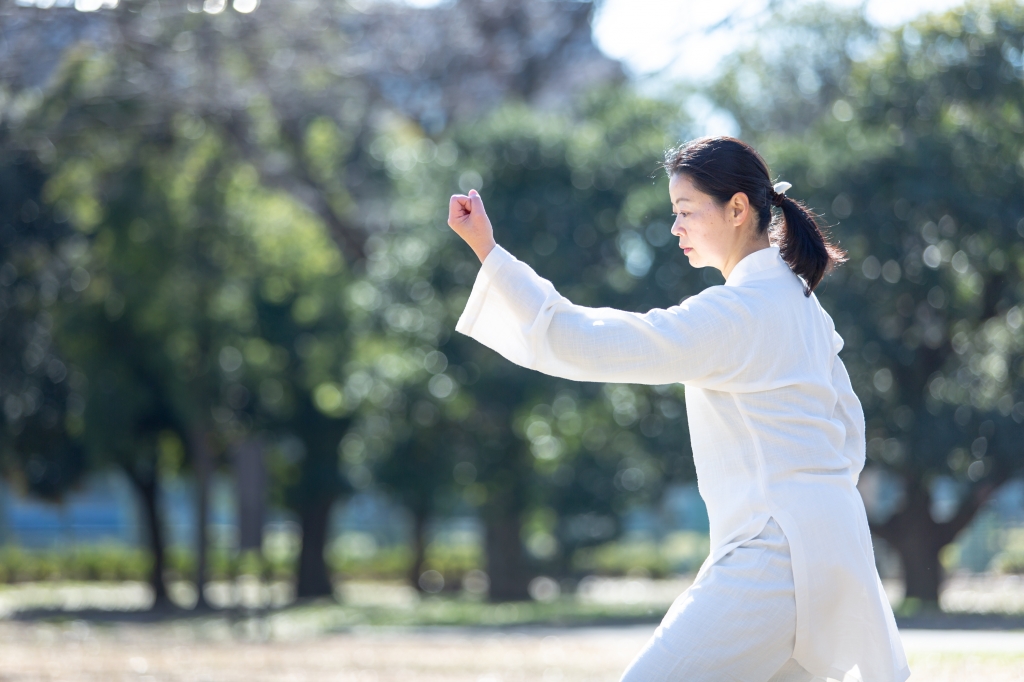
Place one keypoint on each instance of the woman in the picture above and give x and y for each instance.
(790, 590)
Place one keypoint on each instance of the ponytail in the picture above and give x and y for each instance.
(724, 166)
(802, 245)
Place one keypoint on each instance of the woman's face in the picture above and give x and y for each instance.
(709, 233)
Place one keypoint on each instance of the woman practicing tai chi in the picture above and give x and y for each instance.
(789, 591)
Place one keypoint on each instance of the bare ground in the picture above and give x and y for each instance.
(79, 652)
(98, 634)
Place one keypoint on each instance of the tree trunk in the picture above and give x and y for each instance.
(419, 548)
(148, 495)
(506, 562)
(203, 463)
(314, 578)
(250, 493)
(918, 544)
(918, 538)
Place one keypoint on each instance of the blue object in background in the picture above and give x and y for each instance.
(101, 511)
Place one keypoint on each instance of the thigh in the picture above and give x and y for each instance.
(737, 623)
(791, 671)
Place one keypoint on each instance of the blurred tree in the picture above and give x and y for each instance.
(422, 464)
(550, 465)
(152, 201)
(145, 329)
(297, 358)
(206, 290)
(37, 447)
(911, 141)
(290, 89)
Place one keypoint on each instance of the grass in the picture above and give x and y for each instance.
(330, 617)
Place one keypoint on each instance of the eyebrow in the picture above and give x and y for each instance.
(680, 199)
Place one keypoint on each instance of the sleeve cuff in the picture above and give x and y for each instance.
(494, 261)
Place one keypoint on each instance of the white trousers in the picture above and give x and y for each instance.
(736, 624)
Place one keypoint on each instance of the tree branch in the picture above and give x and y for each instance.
(976, 499)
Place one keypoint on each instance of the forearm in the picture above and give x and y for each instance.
(483, 249)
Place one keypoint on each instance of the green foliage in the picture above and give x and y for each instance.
(206, 255)
(622, 558)
(229, 287)
(110, 563)
(679, 552)
(468, 611)
(1011, 558)
(387, 563)
(578, 197)
(908, 141)
(279, 267)
(41, 410)
(115, 563)
(913, 157)
(452, 561)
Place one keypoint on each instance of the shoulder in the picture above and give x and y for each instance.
(719, 304)
(718, 295)
(763, 298)
(775, 307)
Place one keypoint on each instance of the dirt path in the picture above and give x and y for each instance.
(77, 652)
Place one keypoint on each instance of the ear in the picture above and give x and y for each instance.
(738, 209)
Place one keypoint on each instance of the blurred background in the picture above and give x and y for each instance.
(229, 378)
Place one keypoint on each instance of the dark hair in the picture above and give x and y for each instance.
(724, 166)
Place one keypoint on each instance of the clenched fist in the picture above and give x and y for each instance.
(466, 215)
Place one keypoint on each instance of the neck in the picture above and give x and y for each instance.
(743, 251)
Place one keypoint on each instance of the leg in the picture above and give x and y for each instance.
(792, 671)
(738, 623)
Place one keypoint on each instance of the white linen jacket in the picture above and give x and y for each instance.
(775, 427)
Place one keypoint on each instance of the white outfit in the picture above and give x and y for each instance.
(738, 622)
(776, 430)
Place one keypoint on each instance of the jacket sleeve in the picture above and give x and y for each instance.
(849, 411)
(517, 313)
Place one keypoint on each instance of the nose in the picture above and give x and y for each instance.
(677, 229)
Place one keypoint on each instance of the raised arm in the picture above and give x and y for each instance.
(520, 315)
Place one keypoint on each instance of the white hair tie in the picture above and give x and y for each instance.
(779, 191)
